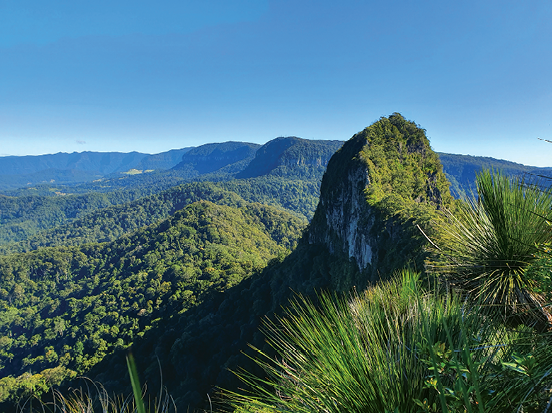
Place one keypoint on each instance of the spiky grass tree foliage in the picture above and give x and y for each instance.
(395, 349)
(486, 246)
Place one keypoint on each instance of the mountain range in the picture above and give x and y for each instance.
(180, 256)
(228, 159)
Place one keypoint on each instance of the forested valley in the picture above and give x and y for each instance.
(181, 258)
(87, 273)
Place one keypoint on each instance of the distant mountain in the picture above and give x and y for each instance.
(96, 162)
(288, 157)
(46, 176)
(213, 157)
(71, 168)
(163, 160)
(462, 169)
(291, 157)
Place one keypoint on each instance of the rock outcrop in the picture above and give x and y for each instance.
(382, 183)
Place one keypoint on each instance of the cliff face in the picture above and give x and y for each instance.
(382, 183)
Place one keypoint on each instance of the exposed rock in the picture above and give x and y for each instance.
(377, 187)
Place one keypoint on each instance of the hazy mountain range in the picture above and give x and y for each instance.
(231, 159)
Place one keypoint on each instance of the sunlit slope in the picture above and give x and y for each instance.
(70, 307)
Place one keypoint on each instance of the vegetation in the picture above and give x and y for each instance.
(379, 188)
(93, 397)
(402, 167)
(69, 307)
(396, 348)
(95, 219)
(401, 348)
(213, 157)
(486, 247)
(109, 223)
(184, 276)
(407, 187)
(291, 157)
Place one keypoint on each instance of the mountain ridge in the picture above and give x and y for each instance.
(191, 273)
(26, 171)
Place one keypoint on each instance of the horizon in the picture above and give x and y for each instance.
(133, 76)
(261, 144)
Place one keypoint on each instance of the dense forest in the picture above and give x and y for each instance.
(89, 273)
(21, 230)
(70, 306)
(189, 259)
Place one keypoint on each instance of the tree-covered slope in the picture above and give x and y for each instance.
(67, 308)
(162, 161)
(291, 157)
(109, 223)
(214, 156)
(58, 221)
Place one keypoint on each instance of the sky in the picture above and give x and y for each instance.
(148, 76)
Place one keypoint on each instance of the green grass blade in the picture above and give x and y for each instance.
(135, 382)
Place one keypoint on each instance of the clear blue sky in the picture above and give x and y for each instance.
(122, 75)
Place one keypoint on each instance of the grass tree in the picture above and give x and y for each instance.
(487, 245)
(396, 348)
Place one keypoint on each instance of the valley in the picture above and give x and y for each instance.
(181, 262)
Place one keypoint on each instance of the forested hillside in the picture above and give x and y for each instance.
(216, 156)
(21, 230)
(67, 308)
(291, 157)
(181, 265)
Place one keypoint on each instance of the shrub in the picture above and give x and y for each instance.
(395, 348)
(486, 246)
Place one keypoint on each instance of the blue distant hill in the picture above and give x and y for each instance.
(462, 169)
(69, 168)
(291, 157)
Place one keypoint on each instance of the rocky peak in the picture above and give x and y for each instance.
(382, 183)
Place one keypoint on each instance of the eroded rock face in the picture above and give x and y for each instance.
(356, 217)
